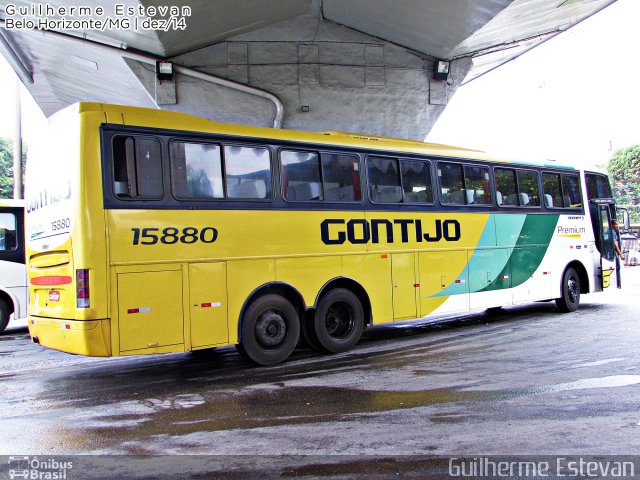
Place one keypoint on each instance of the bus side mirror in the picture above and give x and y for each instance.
(625, 219)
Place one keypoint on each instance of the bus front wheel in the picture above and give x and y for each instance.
(338, 321)
(4, 315)
(570, 298)
(270, 330)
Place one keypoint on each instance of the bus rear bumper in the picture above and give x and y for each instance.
(92, 338)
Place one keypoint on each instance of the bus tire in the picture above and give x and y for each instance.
(339, 320)
(570, 299)
(270, 330)
(5, 312)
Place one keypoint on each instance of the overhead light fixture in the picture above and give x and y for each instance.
(441, 69)
(164, 70)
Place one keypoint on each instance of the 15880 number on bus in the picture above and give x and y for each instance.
(172, 235)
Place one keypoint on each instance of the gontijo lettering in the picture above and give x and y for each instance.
(336, 231)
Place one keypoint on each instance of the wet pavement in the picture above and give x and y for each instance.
(523, 380)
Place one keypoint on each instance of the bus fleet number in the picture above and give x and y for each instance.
(172, 235)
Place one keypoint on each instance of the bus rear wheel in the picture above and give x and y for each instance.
(570, 299)
(270, 330)
(338, 321)
(5, 312)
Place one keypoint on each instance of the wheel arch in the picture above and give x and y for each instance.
(582, 275)
(353, 286)
(9, 300)
(277, 288)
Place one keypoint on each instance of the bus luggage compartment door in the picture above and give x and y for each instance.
(208, 297)
(403, 277)
(150, 311)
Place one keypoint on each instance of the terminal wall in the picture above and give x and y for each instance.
(328, 77)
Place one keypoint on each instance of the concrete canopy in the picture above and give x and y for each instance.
(356, 65)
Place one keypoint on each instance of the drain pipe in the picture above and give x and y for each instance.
(191, 72)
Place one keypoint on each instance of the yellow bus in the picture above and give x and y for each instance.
(153, 231)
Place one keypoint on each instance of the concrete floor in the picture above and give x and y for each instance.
(525, 380)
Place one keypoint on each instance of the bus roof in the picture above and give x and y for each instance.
(167, 119)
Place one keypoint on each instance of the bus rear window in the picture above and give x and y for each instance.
(137, 165)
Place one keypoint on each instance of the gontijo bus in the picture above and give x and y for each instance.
(153, 231)
(13, 276)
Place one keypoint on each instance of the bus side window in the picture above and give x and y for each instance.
(476, 183)
(301, 176)
(528, 189)
(505, 179)
(384, 180)
(341, 177)
(196, 170)
(416, 181)
(247, 172)
(7, 232)
(571, 191)
(137, 167)
(452, 189)
(551, 190)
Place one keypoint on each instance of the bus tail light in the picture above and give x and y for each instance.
(82, 288)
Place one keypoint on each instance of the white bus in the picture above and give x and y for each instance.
(13, 276)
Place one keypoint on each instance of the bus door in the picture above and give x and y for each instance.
(601, 213)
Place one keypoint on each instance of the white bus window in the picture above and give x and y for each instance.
(247, 172)
(196, 170)
(300, 175)
(8, 232)
(384, 182)
(341, 175)
(416, 181)
(137, 165)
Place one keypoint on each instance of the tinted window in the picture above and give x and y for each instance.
(384, 181)
(451, 183)
(341, 175)
(197, 170)
(416, 181)
(571, 191)
(506, 187)
(528, 189)
(8, 227)
(551, 190)
(598, 186)
(476, 184)
(301, 177)
(137, 165)
(247, 172)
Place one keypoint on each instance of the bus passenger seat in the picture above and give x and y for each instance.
(548, 200)
(246, 190)
(524, 199)
(304, 191)
(470, 196)
(340, 194)
(499, 197)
